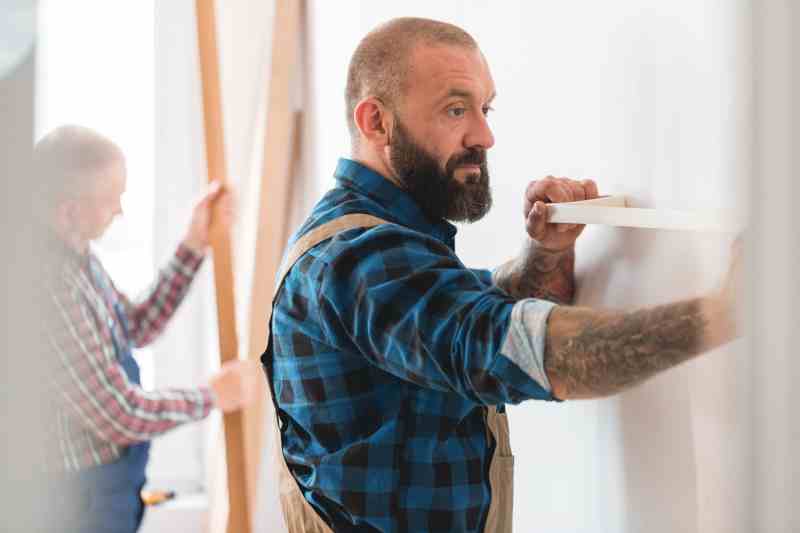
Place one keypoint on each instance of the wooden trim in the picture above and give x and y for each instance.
(238, 508)
(280, 154)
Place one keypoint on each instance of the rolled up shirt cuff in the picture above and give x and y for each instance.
(526, 337)
(187, 261)
(207, 403)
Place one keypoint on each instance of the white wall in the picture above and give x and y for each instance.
(652, 100)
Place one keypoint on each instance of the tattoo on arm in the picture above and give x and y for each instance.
(594, 353)
(539, 273)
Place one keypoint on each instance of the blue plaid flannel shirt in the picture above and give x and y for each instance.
(386, 351)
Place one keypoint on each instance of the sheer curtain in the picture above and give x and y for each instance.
(775, 258)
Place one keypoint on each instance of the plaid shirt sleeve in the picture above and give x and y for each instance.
(94, 386)
(148, 315)
(413, 309)
(485, 276)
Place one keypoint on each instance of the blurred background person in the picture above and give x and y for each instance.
(104, 419)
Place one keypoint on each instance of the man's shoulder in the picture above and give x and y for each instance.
(358, 247)
(361, 243)
(337, 203)
(61, 272)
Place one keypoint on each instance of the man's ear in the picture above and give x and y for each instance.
(64, 215)
(374, 122)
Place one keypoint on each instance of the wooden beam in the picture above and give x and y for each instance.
(281, 148)
(615, 211)
(238, 503)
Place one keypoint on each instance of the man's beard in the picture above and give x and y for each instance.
(436, 190)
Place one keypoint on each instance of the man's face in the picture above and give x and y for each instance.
(92, 212)
(440, 135)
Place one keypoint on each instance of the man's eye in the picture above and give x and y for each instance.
(486, 109)
(456, 112)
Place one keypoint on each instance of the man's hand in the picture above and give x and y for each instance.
(217, 200)
(554, 237)
(591, 353)
(546, 268)
(734, 281)
(235, 385)
(728, 298)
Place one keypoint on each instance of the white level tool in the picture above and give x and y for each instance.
(614, 211)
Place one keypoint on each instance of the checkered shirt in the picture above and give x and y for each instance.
(99, 411)
(385, 352)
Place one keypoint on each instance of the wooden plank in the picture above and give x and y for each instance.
(281, 149)
(614, 211)
(238, 503)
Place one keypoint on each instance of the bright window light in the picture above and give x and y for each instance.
(95, 68)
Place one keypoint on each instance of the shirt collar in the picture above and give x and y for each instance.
(354, 175)
(61, 251)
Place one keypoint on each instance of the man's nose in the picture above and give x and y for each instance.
(480, 134)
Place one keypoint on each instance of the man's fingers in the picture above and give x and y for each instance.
(237, 384)
(250, 376)
(576, 190)
(536, 222)
(566, 193)
(554, 190)
(545, 190)
(530, 198)
(212, 191)
(549, 189)
(590, 189)
(576, 194)
(225, 201)
(738, 245)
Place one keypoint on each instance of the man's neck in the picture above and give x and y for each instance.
(378, 166)
(72, 240)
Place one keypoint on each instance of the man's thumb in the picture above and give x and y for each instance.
(213, 190)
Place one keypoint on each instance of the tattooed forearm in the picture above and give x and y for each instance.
(539, 273)
(594, 353)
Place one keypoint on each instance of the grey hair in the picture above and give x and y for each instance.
(67, 159)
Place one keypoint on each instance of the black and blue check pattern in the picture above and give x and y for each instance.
(385, 354)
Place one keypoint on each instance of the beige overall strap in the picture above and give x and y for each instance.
(321, 233)
(501, 475)
(300, 517)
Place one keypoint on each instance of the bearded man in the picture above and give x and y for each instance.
(389, 361)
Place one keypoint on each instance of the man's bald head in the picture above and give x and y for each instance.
(68, 159)
(380, 64)
(82, 178)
